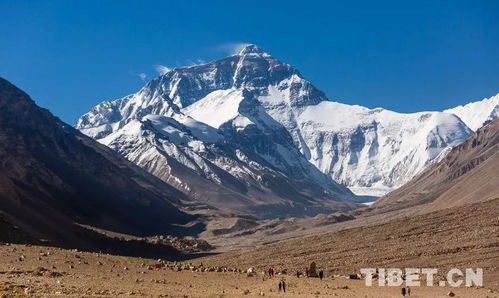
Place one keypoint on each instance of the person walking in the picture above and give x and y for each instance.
(408, 291)
(321, 274)
(271, 271)
(280, 285)
(402, 292)
(284, 286)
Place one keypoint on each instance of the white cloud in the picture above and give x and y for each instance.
(142, 76)
(197, 62)
(232, 48)
(161, 69)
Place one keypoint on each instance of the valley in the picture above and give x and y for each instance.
(242, 163)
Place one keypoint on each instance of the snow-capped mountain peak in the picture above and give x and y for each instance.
(271, 120)
(251, 49)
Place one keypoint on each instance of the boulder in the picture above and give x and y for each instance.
(312, 270)
(250, 272)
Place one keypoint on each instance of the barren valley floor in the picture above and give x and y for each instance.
(53, 272)
(462, 237)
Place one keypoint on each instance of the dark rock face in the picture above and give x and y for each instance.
(10, 233)
(53, 178)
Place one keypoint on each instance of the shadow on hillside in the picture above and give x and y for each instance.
(91, 241)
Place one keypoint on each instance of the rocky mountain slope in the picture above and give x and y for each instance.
(225, 176)
(54, 179)
(468, 174)
(458, 237)
(232, 118)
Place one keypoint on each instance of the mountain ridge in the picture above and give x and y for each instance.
(474, 114)
(370, 157)
(465, 175)
(53, 180)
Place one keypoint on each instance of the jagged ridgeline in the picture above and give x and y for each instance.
(249, 133)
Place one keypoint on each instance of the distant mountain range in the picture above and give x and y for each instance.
(249, 133)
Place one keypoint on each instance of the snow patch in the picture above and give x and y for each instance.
(216, 108)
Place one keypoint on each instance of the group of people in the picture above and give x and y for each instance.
(282, 286)
(405, 291)
(271, 272)
(308, 273)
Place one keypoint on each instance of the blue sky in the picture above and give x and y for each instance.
(402, 55)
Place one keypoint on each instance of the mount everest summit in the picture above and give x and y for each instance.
(248, 133)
